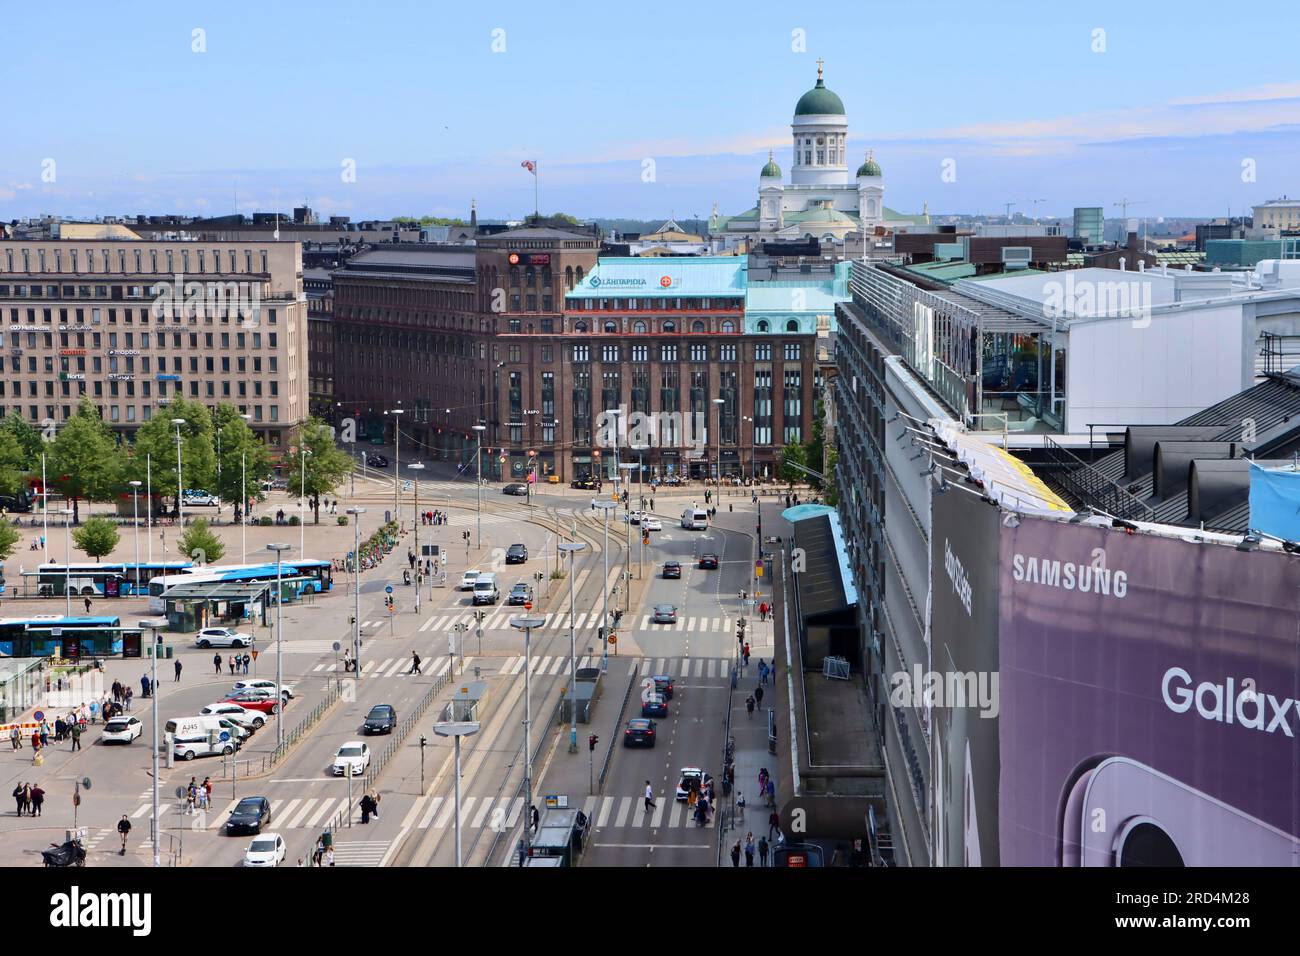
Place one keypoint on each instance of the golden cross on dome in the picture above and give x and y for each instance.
(819, 68)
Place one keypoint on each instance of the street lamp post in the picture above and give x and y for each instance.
(718, 444)
(478, 458)
(607, 507)
(303, 452)
(67, 559)
(45, 512)
(526, 624)
(180, 494)
(640, 492)
(356, 514)
(148, 505)
(417, 467)
(627, 557)
(135, 530)
(243, 506)
(397, 463)
(152, 625)
(572, 548)
(279, 549)
(456, 730)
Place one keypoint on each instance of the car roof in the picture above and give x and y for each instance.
(661, 677)
(381, 706)
(267, 836)
(691, 770)
(352, 743)
(248, 800)
(640, 721)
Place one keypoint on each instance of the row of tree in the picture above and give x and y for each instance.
(219, 454)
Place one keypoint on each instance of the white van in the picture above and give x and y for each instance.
(695, 519)
(204, 736)
(485, 589)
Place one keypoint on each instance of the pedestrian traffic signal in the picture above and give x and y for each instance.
(592, 740)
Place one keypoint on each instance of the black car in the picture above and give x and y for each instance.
(672, 569)
(249, 816)
(663, 686)
(709, 561)
(587, 483)
(516, 554)
(521, 593)
(517, 488)
(654, 706)
(376, 461)
(381, 720)
(640, 732)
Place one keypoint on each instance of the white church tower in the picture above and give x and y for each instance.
(770, 218)
(820, 129)
(871, 193)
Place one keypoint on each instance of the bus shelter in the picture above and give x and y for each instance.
(192, 607)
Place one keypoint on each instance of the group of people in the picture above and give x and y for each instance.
(323, 855)
(28, 798)
(235, 663)
(433, 517)
(754, 700)
(123, 695)
(198, 796)
(749, 850)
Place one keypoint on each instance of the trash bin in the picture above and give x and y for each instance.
(167, 651)
(327, 839)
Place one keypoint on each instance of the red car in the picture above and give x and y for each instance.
(250, 701)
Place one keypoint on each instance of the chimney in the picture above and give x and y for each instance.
(1122, 263)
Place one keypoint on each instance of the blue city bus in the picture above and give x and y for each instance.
(102, 580)
(308, 575)
(53, 635)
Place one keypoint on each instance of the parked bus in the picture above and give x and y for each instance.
(311, 575)
(50, 635)
(104, 580)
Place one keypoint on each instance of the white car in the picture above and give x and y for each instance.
(651, 524)
(267, 849)
(232, 712)
(467, 581)
(635, 517)
(355, 753)
(199, 498)
(261, 684)
(222, 637)
(122, 730)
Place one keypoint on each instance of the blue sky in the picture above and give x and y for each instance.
(286, 93)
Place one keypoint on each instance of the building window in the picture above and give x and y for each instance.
(762, 325)
(582, 353)
(580, 326)
(792, 351)
(670, 326)
(728, 326)
(547, 354)
(726, 353)
(762, 353)
(640, 353)
(638, 327)
(763, 407)
(611, 326)
(668, 353)
(699, 353)
(792, 325)
(793, 406)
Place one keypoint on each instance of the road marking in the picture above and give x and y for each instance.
(657, 819)
(606, 805)
(657, 846)
(412, 813)
(466, 809)
(515, 809)
(482, 812)
(517, 666)
(559, 662)
(624, 806)
(638, 815)
(302, 812)
(434, 804)
(320, 812)
(674, 818)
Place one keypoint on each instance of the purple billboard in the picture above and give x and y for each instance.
(1148, 700)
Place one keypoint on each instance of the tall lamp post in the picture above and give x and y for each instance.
(571, 548)
(417, 467)
(67, 559)
(640, 492)
(153, 625)
(627, 558)
(45, 512)
(753, 451)
(135, 530)
(180, 494)
(718, 445)
(279, 549)
(397, 463)
(526, 624)
(478, 457)
(148, 505)
(303, 452)
(356, 514)
(456, 729)
(607, 507)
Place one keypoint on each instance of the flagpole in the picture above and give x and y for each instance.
(537, 209)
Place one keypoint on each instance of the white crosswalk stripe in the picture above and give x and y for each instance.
(360, 852)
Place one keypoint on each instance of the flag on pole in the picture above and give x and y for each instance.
(529, 165)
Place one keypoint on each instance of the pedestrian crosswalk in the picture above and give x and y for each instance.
(360, 852)
(550, 665)
(498, 618)
(286, 814)
(501, 813)
(431, 665)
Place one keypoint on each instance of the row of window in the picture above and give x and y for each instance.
(79, 316)
(696, 352)
(144, 413)
(126, 363)
(170, 260)
(160, 338)
(126, 382)
(654, 304)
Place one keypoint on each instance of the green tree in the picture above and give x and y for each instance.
(13, 463)
(793, 454)
(200, 545)
(28, 438)
(156, 440)
(815, 450)
(97, 537)
(84, 459)
(238, 445)
(326, 464)
(831, 490)
(9, 537)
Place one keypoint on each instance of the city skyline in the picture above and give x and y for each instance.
(965, 113)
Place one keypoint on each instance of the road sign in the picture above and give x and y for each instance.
(337, 647)
(85, 782)
(38, 716)
(255, 653)
(388, 589)
(613, 638)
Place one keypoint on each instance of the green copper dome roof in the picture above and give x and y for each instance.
(870, 167)
(771, 169)
(819, 100)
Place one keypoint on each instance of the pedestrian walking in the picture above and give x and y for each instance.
(649, 797)
(124, 828)
(749, 849)
(329, 855)
(36, 740)
(744, 652)
(773, 824)
(18, 799)
(144, 684)
(246, 661)
(749, 706)
(533, 818)
(16, 739)
(735, 854)
(45, 733)
(76, 736)
(232, 663)
(38, 799)
(87, 605)
(762, 851)
(216, 662)
(758, 695)
(178, 670)
(415, 663)
(367, 808)
(127, 695)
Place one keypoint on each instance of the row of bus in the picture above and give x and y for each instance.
(153, 577)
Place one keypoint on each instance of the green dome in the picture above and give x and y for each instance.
(819, 100)
(869, 168)
(771, 170)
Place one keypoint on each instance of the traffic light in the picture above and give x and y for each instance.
(592, 741)
(600, 634)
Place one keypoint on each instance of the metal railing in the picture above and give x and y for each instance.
(609, 752)
(259, 765)
(1090, 487)
(524, 815)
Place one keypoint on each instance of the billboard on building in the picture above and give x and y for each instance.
(963, 677)
(1149, 711)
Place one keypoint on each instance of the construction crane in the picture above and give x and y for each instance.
(1123, 205)
(1034, 206)
(1007, 214)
